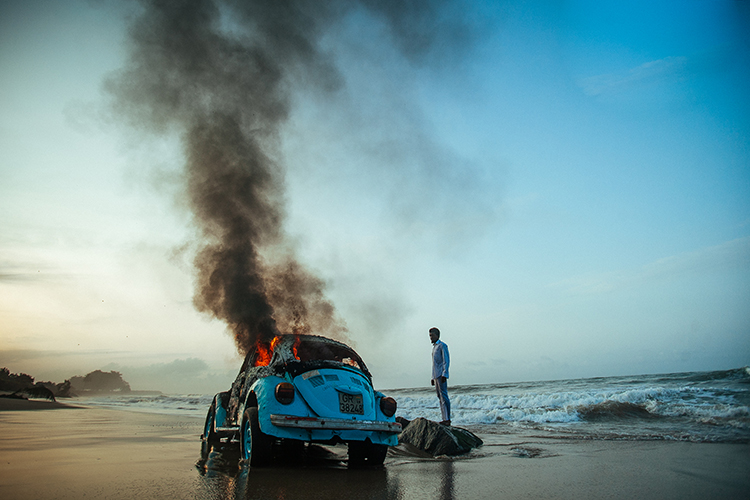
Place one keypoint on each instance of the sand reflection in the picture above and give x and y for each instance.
(314, 472)
(446, 480)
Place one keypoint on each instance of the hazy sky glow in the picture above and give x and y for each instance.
(563, 190)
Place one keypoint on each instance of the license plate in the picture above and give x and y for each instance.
(351, 403)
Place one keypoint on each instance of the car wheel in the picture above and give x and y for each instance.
(366, 453)
(254, 445)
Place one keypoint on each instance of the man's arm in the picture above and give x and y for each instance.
(447, 359)
(445, 364)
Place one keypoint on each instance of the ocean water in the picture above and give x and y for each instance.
(694, 406)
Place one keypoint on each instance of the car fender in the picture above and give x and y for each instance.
(264, 391)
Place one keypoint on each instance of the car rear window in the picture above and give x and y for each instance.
(309, 350)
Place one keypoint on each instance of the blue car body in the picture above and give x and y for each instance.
(308, 389)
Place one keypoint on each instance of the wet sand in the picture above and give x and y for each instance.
(17, 404)
(78, 453)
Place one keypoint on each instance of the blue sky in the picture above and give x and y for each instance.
(564, 195)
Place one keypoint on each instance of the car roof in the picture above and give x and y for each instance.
(285, 343)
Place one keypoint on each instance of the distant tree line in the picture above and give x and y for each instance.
(93, 382)
(99, 381)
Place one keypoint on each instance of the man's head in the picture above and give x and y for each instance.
(434, 334)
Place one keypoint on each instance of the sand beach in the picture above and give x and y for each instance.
(59, 451)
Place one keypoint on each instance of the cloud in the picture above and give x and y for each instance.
(651, 71)
(10, 277)
(17, 272)
(734, 254)
(180, 376)
(74, 362)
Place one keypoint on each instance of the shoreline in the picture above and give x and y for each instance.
(18, 404)
(74, 452)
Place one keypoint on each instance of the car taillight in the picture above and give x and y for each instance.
(388, 406)
(284, 393)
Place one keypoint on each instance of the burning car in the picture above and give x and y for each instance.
(303, 389)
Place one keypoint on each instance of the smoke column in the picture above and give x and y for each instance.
(219, 75)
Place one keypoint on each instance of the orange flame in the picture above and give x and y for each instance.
(297, 341)
(264, 350)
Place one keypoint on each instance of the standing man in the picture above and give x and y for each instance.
(440, 363)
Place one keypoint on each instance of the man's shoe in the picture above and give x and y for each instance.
(445, 422)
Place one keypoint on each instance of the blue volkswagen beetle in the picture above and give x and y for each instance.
(304, 389)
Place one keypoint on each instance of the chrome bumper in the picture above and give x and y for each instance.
(334, 424)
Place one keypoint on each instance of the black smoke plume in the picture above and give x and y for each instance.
(220, 74)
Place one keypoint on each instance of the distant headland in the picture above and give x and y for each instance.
(95, 383)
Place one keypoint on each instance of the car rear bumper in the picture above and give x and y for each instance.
(334, 424)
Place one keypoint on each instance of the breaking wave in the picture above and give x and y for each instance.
(186, 405)
(696, 406)
(707, 406)
(541, 407)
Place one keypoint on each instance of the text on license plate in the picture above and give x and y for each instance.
(351, 403)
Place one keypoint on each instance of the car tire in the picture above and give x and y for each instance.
(255, 446)
(366, 453)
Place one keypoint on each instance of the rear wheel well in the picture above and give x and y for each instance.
(251, 401)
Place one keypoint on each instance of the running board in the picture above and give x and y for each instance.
(232, 428)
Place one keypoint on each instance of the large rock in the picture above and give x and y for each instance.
(437, 439)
